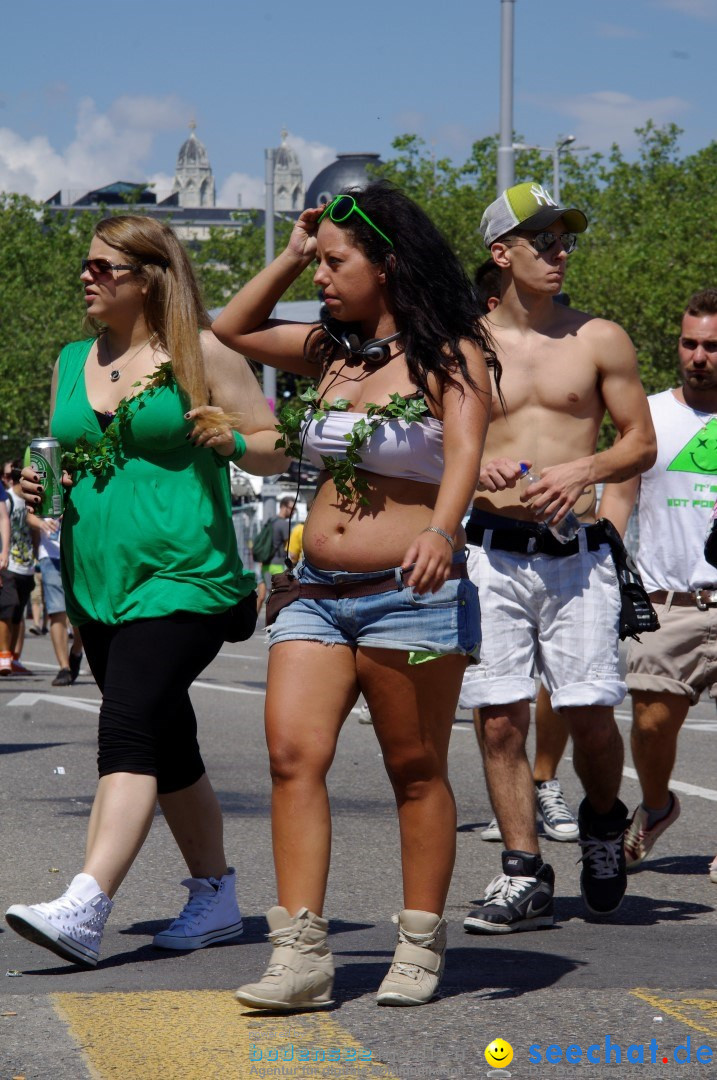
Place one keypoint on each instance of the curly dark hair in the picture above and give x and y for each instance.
(433, 302)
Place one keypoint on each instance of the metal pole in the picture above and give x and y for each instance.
(269, 373)
(505, 173)
(556, 172)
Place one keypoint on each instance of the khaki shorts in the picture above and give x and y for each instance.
(680, 657)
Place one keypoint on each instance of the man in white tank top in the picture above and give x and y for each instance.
(669, 670)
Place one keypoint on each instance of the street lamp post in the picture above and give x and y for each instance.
(554, 152)
(269, 373)
(505, 171)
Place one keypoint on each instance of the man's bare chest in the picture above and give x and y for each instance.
(558, 380)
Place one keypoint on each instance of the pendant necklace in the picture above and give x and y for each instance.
(115, 372)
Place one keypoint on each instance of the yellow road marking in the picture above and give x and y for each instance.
(700, 1014)
(207, 1035)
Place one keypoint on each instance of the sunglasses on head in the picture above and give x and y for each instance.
(342, 207)
(543, 241)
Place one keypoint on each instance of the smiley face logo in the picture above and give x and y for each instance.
(499, 1053)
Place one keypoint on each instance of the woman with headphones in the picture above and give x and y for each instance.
(397, 423)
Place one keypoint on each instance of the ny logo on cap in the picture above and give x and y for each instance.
(541, 196)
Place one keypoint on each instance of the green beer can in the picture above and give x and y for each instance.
(45, 459)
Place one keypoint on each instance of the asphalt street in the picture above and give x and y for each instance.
(640, 984)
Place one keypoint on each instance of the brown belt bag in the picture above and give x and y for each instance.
(286, 588)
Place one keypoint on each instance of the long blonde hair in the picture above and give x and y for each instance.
(173, 306)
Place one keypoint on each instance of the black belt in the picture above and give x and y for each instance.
(535, 539)
(700, 598)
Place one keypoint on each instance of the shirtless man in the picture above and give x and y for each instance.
(543, 602)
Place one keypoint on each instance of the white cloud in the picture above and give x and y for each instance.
(162, 184)
(107, 146)
(313, 156)
(241, 189)
(615, 30)
(699, 9)
(608, 116)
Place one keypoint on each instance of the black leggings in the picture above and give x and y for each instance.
(144, 670)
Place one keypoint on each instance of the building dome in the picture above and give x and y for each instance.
(349, 170)
(193, 177)
(192, 153)
(288, 178)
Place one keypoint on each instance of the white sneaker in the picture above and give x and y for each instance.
(210, 915)
(713, 870)
(417, 966)
(300, 975)
(365, 714)
(491, 831)
(559, 822)
(71, 926)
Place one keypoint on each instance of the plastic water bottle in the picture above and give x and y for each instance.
(567, 529)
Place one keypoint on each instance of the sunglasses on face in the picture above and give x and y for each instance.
(543, 241)
(98, 267)
(342, 207)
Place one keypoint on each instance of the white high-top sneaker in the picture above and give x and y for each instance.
(210, 915)
(300, 975)
(417, 967)
(71, 926)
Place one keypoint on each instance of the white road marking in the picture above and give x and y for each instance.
(226, 689)
(85, 704)
(238, 656)
(678, 785)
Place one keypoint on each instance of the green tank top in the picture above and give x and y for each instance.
(153, 533)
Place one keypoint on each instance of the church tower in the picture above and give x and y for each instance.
(193, 179)
(288, 178)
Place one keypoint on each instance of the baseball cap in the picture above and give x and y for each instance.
(527, 206)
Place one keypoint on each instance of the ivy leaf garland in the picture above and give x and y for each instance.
(343, 469)
(100, 458)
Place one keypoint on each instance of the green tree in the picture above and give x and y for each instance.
(231, 257)
(42, 309)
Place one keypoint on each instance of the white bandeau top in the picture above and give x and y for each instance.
(412, 451)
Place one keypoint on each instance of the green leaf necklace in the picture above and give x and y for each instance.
(343, 470)
(100, 458)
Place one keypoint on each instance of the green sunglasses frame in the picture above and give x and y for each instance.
(329, 209)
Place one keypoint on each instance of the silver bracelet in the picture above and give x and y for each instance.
(443, 533)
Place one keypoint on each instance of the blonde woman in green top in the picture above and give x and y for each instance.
(150, 410)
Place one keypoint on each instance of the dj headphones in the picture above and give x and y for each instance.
(374, 352)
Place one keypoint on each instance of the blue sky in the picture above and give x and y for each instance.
(91, 94)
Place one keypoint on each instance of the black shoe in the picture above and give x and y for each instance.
(75, 661)
(63, 677)
(603, 879)
(521, 898)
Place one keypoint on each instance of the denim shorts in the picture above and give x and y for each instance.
(52, 586)
(447, 621)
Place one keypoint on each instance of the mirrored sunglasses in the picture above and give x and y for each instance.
(543, 241)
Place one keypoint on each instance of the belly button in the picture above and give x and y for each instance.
(341, 530)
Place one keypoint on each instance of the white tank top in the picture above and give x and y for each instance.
(412, 451)
(676, 498)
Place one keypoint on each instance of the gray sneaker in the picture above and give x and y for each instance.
(491, 833)
(71, 926)
(300, 975)
(417, 967)
(559, 822)
(210, 915)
